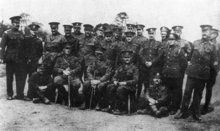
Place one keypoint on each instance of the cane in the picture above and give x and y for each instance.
(91, 97)
(69, 97)
(129, 105)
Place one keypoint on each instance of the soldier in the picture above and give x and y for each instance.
(13, 53)
(174, 65)
(156, 99)
(68, 69)
(164, 31)
(99, 30)
(99, 73)
(149, 59)
(53, 45)
(42, 77)
(140, 38)
(198, 71)
(124, 83)
(77, 34)
(87, 48)
(213, 74)
(183, 43)
(69, 38)
(117, 35)
(130, 27)
(34, 51)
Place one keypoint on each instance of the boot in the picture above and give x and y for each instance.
(83, 106)
(98, 108)
(46, 101)
(108, 109)
(180, 115)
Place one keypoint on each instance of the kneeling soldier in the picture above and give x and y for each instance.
(156, 98)
(67, 68)
(125, 80)
(99, 74)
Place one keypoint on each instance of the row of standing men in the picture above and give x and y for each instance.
(112, 63)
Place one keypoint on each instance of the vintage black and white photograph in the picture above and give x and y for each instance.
(109, 65)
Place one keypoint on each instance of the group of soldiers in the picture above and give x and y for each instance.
(107, 68)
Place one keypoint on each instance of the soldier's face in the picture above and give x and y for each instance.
(67, 32)
(213, 36)
(76, 30)
(139, 32)
(34, 33)
(129, 38)
(205, 34)
(88, 32)
(16, 24)
(127, 60)
(171, 42)
(151, 35)
(117, 35)
(164, 35)
(54, 31)
(99, 55)
(67, 51)
(108, 38)
(178, 32)
(99, 33)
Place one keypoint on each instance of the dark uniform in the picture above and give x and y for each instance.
(140, 39)
(34, 51)
(99, 28)
(158, 93)
(100, 69)
(167, 31)
(53, 46)
(13, 53)
(71, 39)
(203, 59)
(174, 65)
(77, 34)
(67, 62)
(127, 73)
(42, 78)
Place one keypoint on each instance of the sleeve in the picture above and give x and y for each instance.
(57, 66)
(147, 95)
(77, 67)
(141, 54)
(3, 45)
(159, 52)
(183, 61)
(116, 75)
(188, 49)
(135, 77)
(164, 96)
(40, 49)
(108, 74)
(89, 72)
(213, 61)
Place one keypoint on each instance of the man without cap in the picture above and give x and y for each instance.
(13, 53)
(183, 43)
(149, 59)
(124, 83)
(99, 73)
(213, 73)
(76, 30)
(198, 71)
(68, 68)
(71, 39)
(34, 51)
(174, 65)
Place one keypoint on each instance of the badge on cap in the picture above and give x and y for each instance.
(151, 30)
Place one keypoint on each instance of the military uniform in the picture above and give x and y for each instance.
(167, 30)
(34, 51)
(100, 69)
(203, 59)
(174, 65)
(13, 52)
(77, 35)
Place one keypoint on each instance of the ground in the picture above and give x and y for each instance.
(17, 115)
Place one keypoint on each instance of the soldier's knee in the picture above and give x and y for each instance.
(102, 86)
(86, 86)
(111, 88)
(76, 83)
(58, 80)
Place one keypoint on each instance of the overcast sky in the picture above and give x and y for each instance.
(152, 13)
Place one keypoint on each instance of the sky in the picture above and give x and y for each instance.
(152, 13)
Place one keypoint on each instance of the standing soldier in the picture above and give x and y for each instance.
(53, 45)
(213, 74)
(149, 59)
(67, 68)
(117, 35)
(99, 73)
(77, 27)
(87, 48)
(71, 39)
(198, 71)
(130, 27)
(99, 30)
(140, 38)
(34, 51)
(13, 53)
(183, 43)
(164, 32)
(174, 65)
(124, 83)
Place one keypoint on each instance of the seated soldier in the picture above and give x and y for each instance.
(42, 78)
(99, 73)
(156, 99)
(125, 80)
(67, 67)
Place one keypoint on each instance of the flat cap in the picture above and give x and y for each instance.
(100, 27)
(151, 30)
(164, 29)
(126, 53)
(214, 31)
(177, 27)
(130, 25)
(206, 27)
(68, 45)
(54, 24)
(108, 32)
(117, 29)
(68, 27)
(129, 33)
(34, 26)
(88, 27)
(172, 36)
(100, 50)
(140, 26)
(15, 18)
(77, 24)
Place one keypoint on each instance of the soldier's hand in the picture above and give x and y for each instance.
(66, 72)
(122, 83)
(152, 101)
(1, 61)
(115, 83)
(189, 63)
(95, 82)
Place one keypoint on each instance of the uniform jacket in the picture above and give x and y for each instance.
(75, 44)
(111, 49)
(174, 61)
(127, 74)
(38, 79)
(100, 70)
(13, 47)
(63, 62)
(186, 47)
(78, 36)
(150, 52)
(203, 59)
(34, 47)
(140, 40)
(54, 43)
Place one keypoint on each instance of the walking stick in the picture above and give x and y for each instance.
(69, 95)
(129, 105)
(93, 86)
